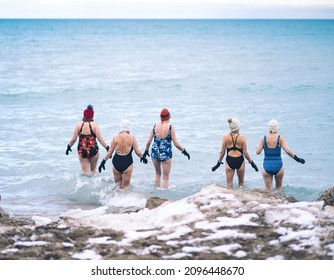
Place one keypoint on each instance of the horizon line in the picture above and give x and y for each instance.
(106, 18)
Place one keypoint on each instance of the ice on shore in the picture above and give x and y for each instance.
(215, 213)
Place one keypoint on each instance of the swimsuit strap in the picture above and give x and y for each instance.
(265, 141)
(234, 142)
(170, 131)
(91, 130)
(278, 141)
(154, 130)
(81, 127)
(90, 127)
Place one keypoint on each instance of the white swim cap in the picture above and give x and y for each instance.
(234, 124)
(273, 126)
(125, 125)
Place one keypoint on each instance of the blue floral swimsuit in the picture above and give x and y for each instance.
(162, 147)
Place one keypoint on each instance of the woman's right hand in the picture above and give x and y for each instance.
(68, 149)
(103, 162)
(216, 166)
(146, 154)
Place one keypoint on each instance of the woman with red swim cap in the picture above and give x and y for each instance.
(88, 151)
(163, 134)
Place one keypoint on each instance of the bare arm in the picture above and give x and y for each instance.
(222, 151)
(244, 148)
(75, 136)
(99, 136)
(260, 147)
(175, 141)
(149, 140)
(111, 149)
(136, 148)
(285, 147)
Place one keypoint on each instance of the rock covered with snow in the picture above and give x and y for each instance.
(215, 223)
(327, 197)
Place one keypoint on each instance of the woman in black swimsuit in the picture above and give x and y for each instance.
(123, 144)
(88, 150)
(236, 148)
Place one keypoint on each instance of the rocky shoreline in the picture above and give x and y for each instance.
(215, 223)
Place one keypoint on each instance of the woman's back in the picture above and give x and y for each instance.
(271, 140)
(123, 143)
(234, 143)
(162, 130)
(85, 128)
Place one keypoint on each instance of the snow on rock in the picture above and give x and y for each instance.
(215, 223)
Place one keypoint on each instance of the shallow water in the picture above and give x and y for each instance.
(204, 71)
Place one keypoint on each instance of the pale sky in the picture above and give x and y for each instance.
(167, 9)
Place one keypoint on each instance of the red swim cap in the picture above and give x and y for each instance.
(165, 115)
(89, 112)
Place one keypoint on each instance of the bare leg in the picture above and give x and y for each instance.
(84, 165)
(93, 164)
(268, 180)
(157, 167)
(126, 177)
(229, 176)
(166, 167)
(117, 175)
(279, 180)
(241, 175)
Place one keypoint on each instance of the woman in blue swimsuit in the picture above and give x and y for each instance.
(272, 163)
(123, 144)
(163, 134)
(235, 146)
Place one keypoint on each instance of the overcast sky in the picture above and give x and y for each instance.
(167, 9)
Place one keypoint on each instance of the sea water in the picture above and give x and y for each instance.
(203, 71)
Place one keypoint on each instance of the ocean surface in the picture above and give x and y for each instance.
(203, 71)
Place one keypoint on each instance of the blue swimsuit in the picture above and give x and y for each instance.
(162, 147)
(272, 163)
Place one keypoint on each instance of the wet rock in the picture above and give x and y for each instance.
(154, 202)
(327, 197)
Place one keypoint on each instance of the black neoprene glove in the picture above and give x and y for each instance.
(186, 153)
(68, 149)
(302, 161)
(143, 159)
(107, 148)
(254, 166)
(146, 154)
(103, 162)
(216, 166)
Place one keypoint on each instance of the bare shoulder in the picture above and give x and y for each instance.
(281, 139)
(94, 124)
(78, 125)
(226, 137)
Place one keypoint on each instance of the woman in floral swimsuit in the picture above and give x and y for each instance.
(88, 151)
(163, 134)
